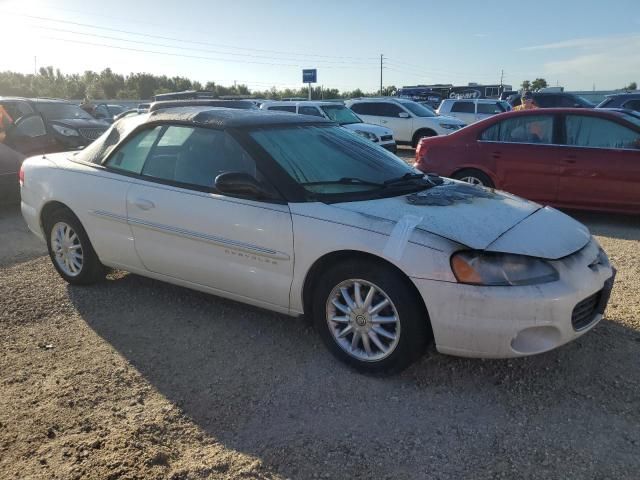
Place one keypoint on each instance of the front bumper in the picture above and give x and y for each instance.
(515, 321)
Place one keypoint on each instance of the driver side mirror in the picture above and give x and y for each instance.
(241, 184)
(403, 115)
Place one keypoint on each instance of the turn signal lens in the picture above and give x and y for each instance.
(500, 269)
(21, 175)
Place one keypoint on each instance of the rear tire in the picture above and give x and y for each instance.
(383, 331)
(474, 177)
(70, 250)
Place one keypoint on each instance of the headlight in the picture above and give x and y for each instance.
(367, 135)
(495, 269)
(450, 126)
(66, 131)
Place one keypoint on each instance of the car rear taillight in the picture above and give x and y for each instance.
(421, 150)
(21, 175)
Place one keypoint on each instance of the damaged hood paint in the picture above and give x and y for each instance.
(497, 222)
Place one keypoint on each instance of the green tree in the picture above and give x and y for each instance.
(631, 86)
(526, 85)
(538, 83)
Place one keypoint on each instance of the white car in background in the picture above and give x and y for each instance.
(337, 112)
(296, 215)
(409, 120)
(472, 110)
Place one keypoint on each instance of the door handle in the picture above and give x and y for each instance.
(571, 159)
(383, 121)
(496, 154)
(144, 204)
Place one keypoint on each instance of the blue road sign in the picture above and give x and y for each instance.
(309, 75)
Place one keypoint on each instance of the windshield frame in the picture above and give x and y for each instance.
(293, 191)
(411, 105)
(38, 106)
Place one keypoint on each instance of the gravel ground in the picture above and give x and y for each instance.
(136, 379)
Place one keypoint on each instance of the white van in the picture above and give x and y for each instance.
(337, 112)
(471, 110)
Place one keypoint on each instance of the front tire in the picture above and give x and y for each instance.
(70, 250)
(421, 134)
(370, 317)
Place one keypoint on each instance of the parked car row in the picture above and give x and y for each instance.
(343, 116)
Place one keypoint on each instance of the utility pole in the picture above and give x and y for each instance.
(35, 65)
(501, 76)
(381, 58)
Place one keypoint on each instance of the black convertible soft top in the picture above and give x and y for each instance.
(198, 116)
(232, 118)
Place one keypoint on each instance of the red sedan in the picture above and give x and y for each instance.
(567, 157)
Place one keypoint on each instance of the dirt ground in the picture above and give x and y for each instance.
(136, 379)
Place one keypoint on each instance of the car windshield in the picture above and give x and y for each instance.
(329, 160)
(340, 114)
(61, 111)
(417, 109)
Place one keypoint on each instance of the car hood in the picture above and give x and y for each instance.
(367, 127)
(448, 119)
(492, 220)
(80, 123)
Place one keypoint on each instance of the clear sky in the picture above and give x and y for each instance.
(264, 43)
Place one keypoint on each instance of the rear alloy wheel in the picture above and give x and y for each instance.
(474, 177)
(67, 249)
(70, 249)
(370, 317)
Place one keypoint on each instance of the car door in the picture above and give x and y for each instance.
(601, 164)
(28, 135)
(396, 118)
(523, 155)
(184, 229)
(10, 162)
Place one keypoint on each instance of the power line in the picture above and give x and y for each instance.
(164, 45)
(161, 37)
(182, 55)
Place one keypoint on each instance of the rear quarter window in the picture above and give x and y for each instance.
(463, 107)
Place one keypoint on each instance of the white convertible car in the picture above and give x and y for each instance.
(296, 215)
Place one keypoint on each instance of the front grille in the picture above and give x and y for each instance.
(585, 310)
(386, 138)
(92, 133)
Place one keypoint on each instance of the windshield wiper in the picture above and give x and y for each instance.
(346, 181)
(407, 177)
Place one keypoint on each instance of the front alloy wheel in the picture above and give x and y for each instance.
(370, 315)
(363, 320)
